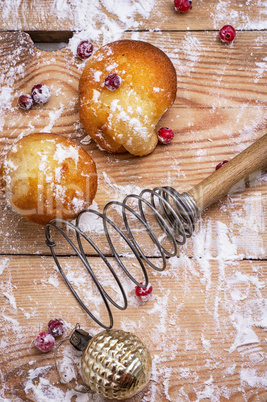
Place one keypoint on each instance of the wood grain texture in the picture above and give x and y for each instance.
(55, 17)
(244, 213)
(201, 334)
(209, 128)
(205, 325)
(210, 74)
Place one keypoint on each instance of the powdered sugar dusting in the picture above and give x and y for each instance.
(206, 322)
(223, 12)
(105, 28)
(63, 152)
(5, 97)
(3, 264)
(251, 377)
(121, 190)
(53, 117)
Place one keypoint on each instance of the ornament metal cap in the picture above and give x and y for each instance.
(79, 338)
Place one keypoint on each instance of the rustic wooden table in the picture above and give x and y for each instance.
(206, 323)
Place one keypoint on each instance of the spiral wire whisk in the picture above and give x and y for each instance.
(175, 214)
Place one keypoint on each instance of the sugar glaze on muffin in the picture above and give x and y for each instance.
(47, 176)
(125, 118)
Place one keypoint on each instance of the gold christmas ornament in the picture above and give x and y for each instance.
(115, 363)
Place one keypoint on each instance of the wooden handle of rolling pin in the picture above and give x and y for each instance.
(218, 184)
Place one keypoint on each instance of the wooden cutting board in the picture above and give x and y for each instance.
(205, 325)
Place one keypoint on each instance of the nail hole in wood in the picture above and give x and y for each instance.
(50, 40)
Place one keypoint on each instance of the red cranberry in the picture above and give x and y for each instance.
(165, 135)
(85, 49)
(227, 33)
(220, 165)
(56, 327)
(144, 294)
(182, 5)
(25, 102)
(44, 342)
(112, 82)
(40, 94)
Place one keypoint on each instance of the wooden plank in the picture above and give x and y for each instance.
(209, 73)
(209, 128)
(241, 218)
(50, 19)
(204, 326)
(241, 114)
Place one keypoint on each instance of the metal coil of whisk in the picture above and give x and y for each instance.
(175, 214)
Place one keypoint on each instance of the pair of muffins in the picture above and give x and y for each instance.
(47, 176)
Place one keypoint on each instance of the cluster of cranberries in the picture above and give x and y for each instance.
(144, 294)
(40, 94)
(45, 341)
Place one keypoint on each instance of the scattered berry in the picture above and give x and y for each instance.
(85, 49)
(220, 165)
(44, 342)
(144, 294)
(112, 82)
(165, 135)
(182, 5)
(227, 33)
(56, 327)
(25, 102)
(40, 94)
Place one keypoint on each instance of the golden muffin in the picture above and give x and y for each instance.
(47, 176)
(125, 118)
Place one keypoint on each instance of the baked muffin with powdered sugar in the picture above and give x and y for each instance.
(125, 88)
(46, 176)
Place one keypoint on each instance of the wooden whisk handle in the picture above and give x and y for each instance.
(219, 183)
